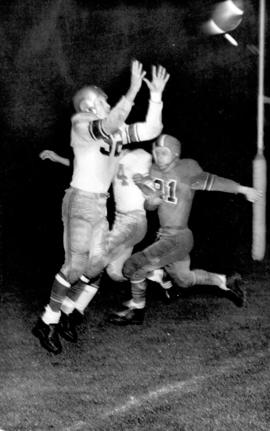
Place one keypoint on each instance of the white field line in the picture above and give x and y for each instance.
(180, 388)
(186, 386)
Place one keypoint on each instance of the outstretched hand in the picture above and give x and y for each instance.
(137, 75)
(160, 77)
(252, 194)
(48, 154)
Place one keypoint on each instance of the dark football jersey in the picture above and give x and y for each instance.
(178, 186)
(175, 185)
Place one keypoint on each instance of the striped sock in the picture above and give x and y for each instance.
(59, 290)
(138, 291)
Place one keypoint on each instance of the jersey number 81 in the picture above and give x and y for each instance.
(167, 189)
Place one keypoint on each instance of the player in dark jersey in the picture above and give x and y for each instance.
(176, 181)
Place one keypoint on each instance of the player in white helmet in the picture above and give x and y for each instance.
(176, 180)
(97, 136)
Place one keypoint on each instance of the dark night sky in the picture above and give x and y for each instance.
(51, 48)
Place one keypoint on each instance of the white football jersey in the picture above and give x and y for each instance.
(97, 150)
(127, 196)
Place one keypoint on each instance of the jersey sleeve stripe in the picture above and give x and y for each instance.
(210, 181)
(96, 130)
(133, 133)
(127, 135)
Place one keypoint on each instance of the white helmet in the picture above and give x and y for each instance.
(91, 93)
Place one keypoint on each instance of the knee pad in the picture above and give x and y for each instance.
(73, 275)
(186, 279)
(72, 272)
(134, 264)
(114, 274)
(95, 267)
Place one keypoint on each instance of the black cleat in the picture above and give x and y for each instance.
(67, 325)
(128, 316)
(48, 336)
(236, 293)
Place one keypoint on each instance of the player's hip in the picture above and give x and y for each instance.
(129, 228)
(82, 205)
(170, 247)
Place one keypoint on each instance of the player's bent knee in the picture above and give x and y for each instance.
(95, 267)
(131, 266)
(185, 280)
(73, 275)
(72, 271)
(135, 267)
(128, 270)
(114, 274)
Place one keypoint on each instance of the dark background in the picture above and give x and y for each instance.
(49, 49)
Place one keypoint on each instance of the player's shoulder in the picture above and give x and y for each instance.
(140, 153)
(190, 165)
(81, 117)
(136, 156)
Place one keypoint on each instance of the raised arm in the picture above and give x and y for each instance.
(152, 126)
(160, 77)
(120, 112)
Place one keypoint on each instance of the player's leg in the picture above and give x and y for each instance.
(83, 292)
(166, 250)
(115, 267)
(77, 231)
(74, 305)
(184, 277)
(138, 267)
(128, 230)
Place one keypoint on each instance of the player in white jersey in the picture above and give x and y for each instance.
(97, 136)
(130, 223)
(129, 228)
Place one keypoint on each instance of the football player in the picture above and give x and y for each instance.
(97, 136)
(176, 180)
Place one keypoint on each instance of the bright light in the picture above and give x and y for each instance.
(233, 8)
(231, 39)
(212, 28)
(226, 17)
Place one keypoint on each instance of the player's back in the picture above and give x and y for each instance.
(128, 197)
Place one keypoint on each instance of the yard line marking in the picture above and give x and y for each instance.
(187, 385)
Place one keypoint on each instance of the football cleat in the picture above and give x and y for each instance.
(48, 336)
(67, 326)
(236, 293)
(127, 316)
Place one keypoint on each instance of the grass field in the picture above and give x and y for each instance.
(197, 364)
